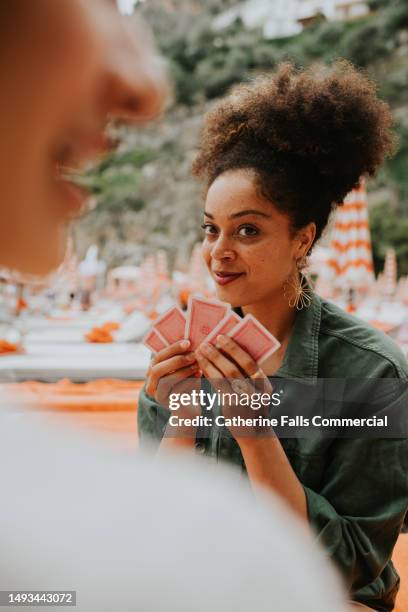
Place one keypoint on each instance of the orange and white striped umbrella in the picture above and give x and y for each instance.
(402, 291)
(350, 262)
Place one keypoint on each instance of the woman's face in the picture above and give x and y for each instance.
(248, 247)
(65, 67)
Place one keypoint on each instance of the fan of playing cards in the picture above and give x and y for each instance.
(206, 320)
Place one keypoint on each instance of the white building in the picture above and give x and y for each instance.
(281, 18)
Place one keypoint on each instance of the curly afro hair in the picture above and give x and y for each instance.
(308, 135)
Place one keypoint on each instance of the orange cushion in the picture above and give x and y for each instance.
(8, 347)
(400, 560)
(99, 334)
(107, 395)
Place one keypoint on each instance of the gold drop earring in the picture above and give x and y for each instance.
(298, 291)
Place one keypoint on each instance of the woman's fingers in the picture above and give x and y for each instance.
(212, 373)
(174, 349)
(173, 364)
(228, 346)
(235, 363)
(207, 367)
(170, 366)
(223, 373)
(168, 380)
(224, 365)
(178, 349)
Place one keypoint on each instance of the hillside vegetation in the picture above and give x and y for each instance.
(145, 195)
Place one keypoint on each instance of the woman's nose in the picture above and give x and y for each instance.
(222, 250)
(137, 87)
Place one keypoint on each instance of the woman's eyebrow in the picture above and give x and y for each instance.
(242, 213)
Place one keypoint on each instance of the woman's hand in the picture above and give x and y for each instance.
(232, 370)
(173, 370)
(229, 367)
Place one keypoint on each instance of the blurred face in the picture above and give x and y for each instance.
(248, 246)
(66, 66)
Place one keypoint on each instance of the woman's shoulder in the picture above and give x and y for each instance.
(358, 345)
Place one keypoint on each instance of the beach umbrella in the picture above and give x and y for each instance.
(402, 290)
(350, 264)
(151, 290)
(67, 274)
(162, 264)
(126, 273)
(390, 273)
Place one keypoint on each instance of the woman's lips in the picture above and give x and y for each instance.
(77, 151)
(224, 278)
(73, 196)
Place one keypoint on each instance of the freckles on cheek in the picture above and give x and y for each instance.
(268, 260)
(277, 253)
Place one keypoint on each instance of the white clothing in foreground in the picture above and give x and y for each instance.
(135, 533)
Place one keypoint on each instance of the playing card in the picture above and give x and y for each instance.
(171, 325)
(154, 341)
(254, 338)
(203, 316)
(229, 322)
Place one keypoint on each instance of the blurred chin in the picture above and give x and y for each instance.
(38, 257)
(234, 298)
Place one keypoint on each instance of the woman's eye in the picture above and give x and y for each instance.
(247, 231)
(209, 229)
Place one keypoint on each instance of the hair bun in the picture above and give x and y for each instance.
(321, 129)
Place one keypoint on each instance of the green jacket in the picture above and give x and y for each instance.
(356, 489)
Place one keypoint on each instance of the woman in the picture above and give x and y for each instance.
(278, 155)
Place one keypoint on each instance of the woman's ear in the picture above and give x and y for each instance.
(305, 239)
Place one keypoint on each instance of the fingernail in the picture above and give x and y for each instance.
(185, 344)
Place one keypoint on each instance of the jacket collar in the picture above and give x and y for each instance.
(301, 358)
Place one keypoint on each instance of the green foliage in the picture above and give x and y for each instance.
(114, 182)
(122, 159)
(221, 70)
(394, 86)
(368, 43)
(388, 229)
(375, 5)
(397, 16)
(320, 42)
(397, 170)
(205, 61)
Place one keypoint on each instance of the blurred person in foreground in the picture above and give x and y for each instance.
(66, 69)
(76, 515)
(278, 154)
